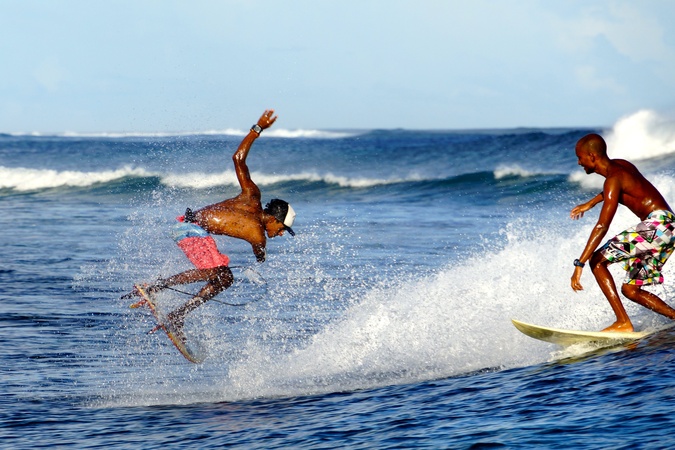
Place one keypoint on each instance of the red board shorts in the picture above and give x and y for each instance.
(199, 247)
(644, 248)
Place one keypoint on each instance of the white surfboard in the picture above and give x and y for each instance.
(571, 337)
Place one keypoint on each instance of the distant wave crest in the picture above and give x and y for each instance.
(512, 171)
(591, 182)
(25, 179)
(205, 181)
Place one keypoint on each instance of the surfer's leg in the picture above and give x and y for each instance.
(187, 277)
(608, 287)
(219, 279)
(648, 300)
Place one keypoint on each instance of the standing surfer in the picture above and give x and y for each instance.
(643, 248)
(241, 217)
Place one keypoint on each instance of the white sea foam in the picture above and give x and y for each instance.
(25, 179)
(405, 330)
(512, 171)
(455, 322)
(641, 135)
(591, 182)
(197, 180)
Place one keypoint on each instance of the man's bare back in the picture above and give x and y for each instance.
(635, 191)
(235, 218)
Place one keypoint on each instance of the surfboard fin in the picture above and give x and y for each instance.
(155, 329)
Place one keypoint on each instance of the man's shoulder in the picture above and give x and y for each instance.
(242, 203)
(622, 169)
(621, 163)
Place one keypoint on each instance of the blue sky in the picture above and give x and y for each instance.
(93, 66)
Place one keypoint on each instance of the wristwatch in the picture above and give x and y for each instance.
(578, 263)
(257, 129)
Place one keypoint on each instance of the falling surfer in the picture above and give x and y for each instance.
(241, 217)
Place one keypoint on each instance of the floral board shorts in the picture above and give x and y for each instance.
(644, 248)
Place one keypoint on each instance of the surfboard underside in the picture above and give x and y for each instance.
(169, 329)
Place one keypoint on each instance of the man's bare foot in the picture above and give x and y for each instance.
(617, 327)
(150, 289)
(134, 293)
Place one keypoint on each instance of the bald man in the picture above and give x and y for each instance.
(643, 249)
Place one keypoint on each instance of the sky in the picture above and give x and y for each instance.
(201, 65)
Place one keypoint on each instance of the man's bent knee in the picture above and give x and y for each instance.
(630, 290)
(598, 260)
(224, 276)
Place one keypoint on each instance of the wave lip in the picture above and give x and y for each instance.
(642, 135)
(25, 179)
(28, 179)
(513, 171)
(196, 180)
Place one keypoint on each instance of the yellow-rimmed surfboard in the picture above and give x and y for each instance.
(176, 338)
(571, 337)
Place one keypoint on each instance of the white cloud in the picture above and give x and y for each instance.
(588, 77)
(634, 33)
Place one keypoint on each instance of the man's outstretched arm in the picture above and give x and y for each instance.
(578, 211)
(239, 157)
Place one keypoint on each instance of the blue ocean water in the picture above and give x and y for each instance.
(385, 323)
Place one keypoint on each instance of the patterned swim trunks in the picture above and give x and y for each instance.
(643, 249)
(199, 247)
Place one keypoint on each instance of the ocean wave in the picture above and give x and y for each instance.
(197, 180)
(515, 171)
(276, 133)
(586, 181)
(641, 135)
(25, 179)
(29, 179)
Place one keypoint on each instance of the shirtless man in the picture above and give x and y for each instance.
(643, 248)
(241, 217)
